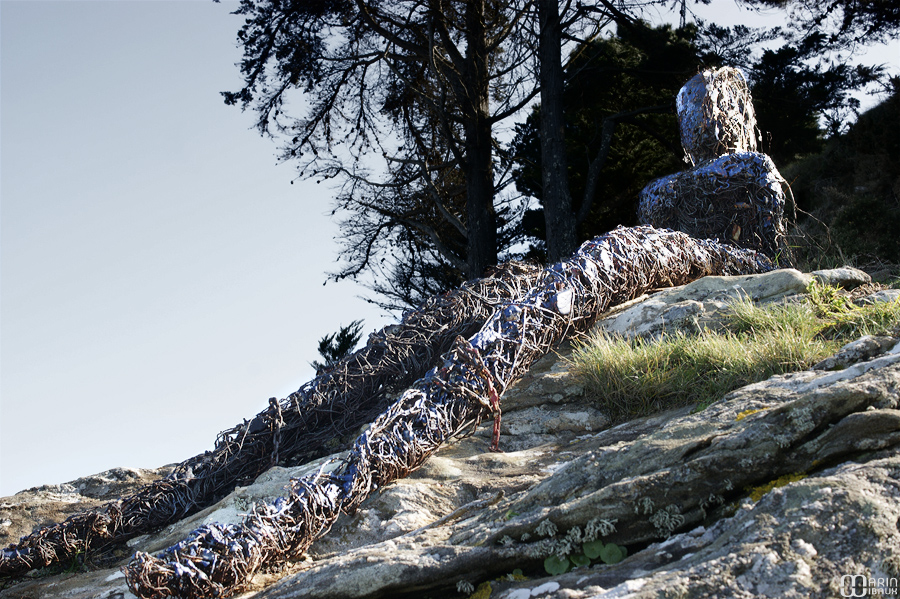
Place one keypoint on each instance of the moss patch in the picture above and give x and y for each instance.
(756, 493)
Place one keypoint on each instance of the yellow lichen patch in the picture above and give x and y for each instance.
(482, 592)
(515, 575)
(746, 413)
(756, 493)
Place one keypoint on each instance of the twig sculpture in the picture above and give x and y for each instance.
(293, 430)
(476, 340)
(732, 193)
(217, 560)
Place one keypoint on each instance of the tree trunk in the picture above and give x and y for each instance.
(558, 214)
(481, 222)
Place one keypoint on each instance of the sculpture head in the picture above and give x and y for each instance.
(715, 112)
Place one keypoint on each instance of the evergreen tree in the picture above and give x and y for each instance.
(844, 23)
(796, 90)
(402, 103)
(337, 345)
(852, 187)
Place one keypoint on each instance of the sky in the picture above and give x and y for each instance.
(160, 276)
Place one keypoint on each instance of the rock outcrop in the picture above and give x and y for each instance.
(785, 488)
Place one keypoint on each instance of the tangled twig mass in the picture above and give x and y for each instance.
(217, 560)
(476, 341)
(306, 425)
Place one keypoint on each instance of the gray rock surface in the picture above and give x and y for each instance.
(885, 295)
(846, 277)
(798, 540)
(777, 490)
(698, 303)
(28, 510)
(864, 348)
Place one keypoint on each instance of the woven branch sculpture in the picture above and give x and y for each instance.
(293, 430)
(218, 560)
(733, 193)
(481, 336)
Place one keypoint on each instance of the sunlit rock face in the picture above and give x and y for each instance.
(777, 490)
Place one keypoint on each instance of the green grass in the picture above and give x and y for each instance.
(638, 377)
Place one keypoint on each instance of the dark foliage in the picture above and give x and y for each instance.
(794, 88)
(844, 22)
(621, 130)
(401, 101)
(399, 105)
(853, 186)
(336, 346)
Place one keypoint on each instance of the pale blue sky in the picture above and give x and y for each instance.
(161, 277)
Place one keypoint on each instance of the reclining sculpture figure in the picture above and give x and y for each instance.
(486, 334)
(459, 392)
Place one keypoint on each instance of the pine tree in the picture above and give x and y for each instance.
(337, 345)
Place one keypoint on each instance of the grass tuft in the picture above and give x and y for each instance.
(631, 378)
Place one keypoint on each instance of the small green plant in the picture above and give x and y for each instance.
(557, 564)
(593, 549)
(580, 560)
(828, 300)
(878, 319)
(612, 553)
(608, 553)
(76, 563)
